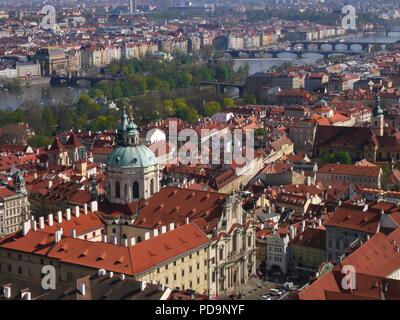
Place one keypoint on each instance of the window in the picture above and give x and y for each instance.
(135, 190)
(117, 189)
(151, 186)
(174, 276)
(183, 273)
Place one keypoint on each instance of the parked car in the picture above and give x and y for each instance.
(288, 285)
(266, 297)
(275, 292)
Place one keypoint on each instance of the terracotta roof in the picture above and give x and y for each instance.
(379, 256)
(174, 205)
(6, 192)
(312, 238)
(344, 169)
(335, 136)
(127, 260)
(354, 218)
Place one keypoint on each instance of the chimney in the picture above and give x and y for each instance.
(7, 291)
(82, 288)
(115, 240)
(94, 206)
(68, 214)
(105, 238)
(85, 208)
(160, 287)
(125, 242)
(73, 233)
(77, 213)
(57, 236)
(27, 295)
(59, 217)
(163, 229)
(50, 219)
(111, 274)
(147, 236)
(186, 220)
(41, 223)
(101, 272)
(133, 241)
(143, 285)
(155, 232)
(122, 277)
(365, 208)
(33, 225)
(49, 184)
(26, 227)
(303, 225)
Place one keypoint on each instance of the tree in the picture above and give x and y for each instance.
(221, 73)
(229, 102)
(185, 112)
(342, 157)
(212, 108)
(249, 98)
(48, 121)
(167, 108)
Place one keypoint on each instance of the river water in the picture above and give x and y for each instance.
(47, 95)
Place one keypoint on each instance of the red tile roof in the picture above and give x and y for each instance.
(354, 218)
(174, 205)
(128, 260)
(344, 169)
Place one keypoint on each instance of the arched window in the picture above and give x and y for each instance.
(117, 189)
(139, 239)
(135, 190)
(151, 186)
(124, 236)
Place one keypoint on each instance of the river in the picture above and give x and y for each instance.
(47, 94)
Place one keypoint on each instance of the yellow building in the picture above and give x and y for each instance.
(307, 252)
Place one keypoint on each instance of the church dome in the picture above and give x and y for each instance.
(136, 156)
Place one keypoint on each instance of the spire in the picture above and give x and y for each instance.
(19, 182)
(128, 133)
(377, 111)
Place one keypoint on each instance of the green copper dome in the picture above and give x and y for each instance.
(130, 153)
(138, 156)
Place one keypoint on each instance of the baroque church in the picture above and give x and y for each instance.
(136, 209)
(132, 168)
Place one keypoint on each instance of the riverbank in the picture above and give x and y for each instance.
(36, 82)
